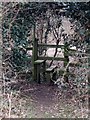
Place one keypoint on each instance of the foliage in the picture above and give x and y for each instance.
(79, 14)
(17, 23)
(19, 18)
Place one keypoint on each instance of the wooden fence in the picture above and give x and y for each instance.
(38, 60)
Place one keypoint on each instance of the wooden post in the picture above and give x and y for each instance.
(34, 54)
(66, 61)
(44, 69)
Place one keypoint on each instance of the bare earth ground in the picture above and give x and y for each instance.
(43, 101)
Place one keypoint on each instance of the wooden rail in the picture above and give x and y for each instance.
(51, 58)
(50, 46)
(36, 67)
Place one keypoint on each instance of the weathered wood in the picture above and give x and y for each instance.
(35, 54)
(35, 50)
(50, 46)
(51, 69)
(38, 64)
(55, 46)
(51, 58)
(44, 70)
(38, 73)
(39, 61)
(34, 72)
(35, 57)
(71, 50)
(66, 60)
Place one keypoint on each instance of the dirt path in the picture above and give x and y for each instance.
(49, 101)
(43, 101)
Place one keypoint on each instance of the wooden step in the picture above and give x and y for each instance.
(39, 61)
(51, 69)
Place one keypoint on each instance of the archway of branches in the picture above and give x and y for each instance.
(56, 23)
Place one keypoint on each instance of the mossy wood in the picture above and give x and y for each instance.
(34, 53)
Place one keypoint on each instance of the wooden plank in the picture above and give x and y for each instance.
(50, 46)
(55, 46)
(72, 50)
(50, 69)
(39, 61)
(51, 58)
